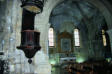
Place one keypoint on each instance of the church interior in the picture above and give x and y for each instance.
(55, 37)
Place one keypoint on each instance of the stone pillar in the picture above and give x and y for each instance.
(41, 60)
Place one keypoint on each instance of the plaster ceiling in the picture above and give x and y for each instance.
(71, 11)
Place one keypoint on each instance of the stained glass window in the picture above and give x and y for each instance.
(104, 38)
(51, 37)
(76, 37)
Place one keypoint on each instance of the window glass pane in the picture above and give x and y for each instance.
(76, 37)
(104, 38)
(103, 31)
(76, 32)
(51, 37)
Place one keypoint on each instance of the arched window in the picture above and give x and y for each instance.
(104, 38)
(51, 37)
(76, 37)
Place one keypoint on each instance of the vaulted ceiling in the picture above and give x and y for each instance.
(75, 11)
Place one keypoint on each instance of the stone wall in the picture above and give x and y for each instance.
(110, 35)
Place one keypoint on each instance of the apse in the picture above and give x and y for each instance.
(76, 34)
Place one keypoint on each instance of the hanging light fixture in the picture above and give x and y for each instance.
(35, 6)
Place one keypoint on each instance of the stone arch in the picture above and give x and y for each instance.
(98, 4)
(103, 9)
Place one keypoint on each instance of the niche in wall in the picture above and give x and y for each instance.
(65, 42)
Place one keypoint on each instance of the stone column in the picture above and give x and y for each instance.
(41, 60)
